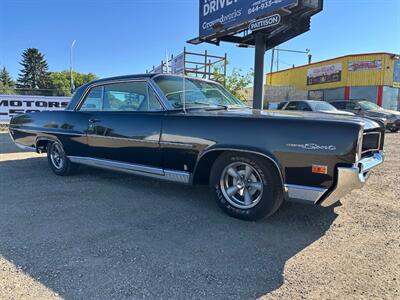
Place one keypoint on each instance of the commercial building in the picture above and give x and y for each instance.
(371, 76)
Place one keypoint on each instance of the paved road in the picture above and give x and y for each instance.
(103, 235)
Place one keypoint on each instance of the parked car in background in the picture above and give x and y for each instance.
(368, 109)
(313, 105)
(194, 131)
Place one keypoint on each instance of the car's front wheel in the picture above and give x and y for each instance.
(58, 160)
(246, 186)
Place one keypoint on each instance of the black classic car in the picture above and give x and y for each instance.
(370, 110)
(194, 131)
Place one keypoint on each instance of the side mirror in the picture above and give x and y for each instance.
(357, 108)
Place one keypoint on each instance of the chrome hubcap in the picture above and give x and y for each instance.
(241, 185)
(57, 156)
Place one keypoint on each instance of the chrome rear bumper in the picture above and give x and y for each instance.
(352, 178)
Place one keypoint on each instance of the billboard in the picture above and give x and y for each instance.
(365, 65)
(233, 13)
(324, 74)
(396, 74)
(11, 105)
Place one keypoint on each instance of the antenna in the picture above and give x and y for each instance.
(184, 95)
(166, 59)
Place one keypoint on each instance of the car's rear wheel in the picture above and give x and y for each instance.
(393, 129)
(58, 160)
(246, 186)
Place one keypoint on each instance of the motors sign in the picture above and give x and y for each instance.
(234, 13)
(265, 22)
(11, 105)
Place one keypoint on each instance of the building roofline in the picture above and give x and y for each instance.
(332, 59)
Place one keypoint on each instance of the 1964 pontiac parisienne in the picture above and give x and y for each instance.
(193, 131)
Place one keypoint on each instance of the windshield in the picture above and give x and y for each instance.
(366, 105)
(322, 106)
(190, 92)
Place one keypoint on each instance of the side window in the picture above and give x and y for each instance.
(339, 105)
(130, 96)
(127, 96)
(93, 100)
(351, 105)
(303, 106)
(292, 106)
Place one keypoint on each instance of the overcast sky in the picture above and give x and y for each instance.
(129, 36)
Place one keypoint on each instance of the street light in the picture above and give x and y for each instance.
(72, 86)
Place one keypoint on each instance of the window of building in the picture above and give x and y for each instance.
(334, 94)
(390, 98)
(369, 93)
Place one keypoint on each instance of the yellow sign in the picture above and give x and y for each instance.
(396, 84)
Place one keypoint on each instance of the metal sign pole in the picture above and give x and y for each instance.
(261, 47)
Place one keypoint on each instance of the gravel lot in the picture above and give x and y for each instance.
(102, 235)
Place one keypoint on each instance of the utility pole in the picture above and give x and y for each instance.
(72, 85)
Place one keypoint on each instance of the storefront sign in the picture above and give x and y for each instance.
(396, 74)
(178, 64)
(365, 65)
(11, 105)
(265, 22)
(227, 14)
(324, 74)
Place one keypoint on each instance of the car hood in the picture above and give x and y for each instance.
(337, 112)
(285, 114)
(382, 113)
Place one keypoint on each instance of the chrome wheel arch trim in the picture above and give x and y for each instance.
(244, 151)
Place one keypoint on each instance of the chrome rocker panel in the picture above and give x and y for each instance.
(348, 179)
(170, 175)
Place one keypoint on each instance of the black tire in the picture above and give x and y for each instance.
(393, 129)
(63, 166)
(268, 200)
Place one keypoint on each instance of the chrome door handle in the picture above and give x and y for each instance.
(94, 120)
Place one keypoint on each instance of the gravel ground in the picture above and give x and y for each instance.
(102, 235)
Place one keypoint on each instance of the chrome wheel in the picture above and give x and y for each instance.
(57, 156)
(241, 185)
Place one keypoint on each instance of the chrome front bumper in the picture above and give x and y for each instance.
(348, 179)
(352, 178)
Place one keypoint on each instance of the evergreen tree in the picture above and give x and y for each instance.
(5, 78)
(34, 74)
(6, 83)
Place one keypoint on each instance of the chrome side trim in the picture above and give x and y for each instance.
(177, 176)
(177, 144)
(158, 173)
(304, 193)
(48, 132)
(352, 178)
(122, 139)
(24, 147)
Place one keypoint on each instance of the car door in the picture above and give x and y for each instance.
(124, 123)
